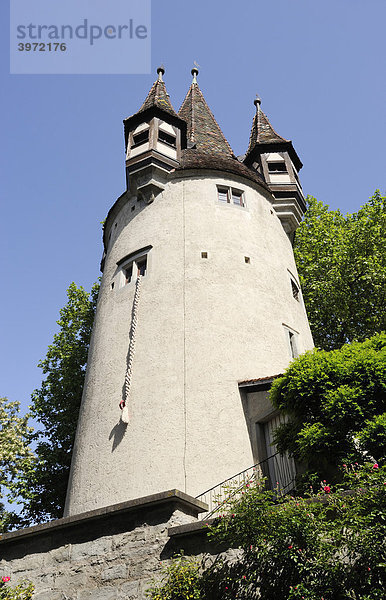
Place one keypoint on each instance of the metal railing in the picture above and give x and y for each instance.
(278, 471)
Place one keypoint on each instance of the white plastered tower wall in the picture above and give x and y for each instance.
(204, 324)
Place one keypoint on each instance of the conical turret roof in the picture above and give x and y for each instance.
(203, 131)
(264, 135)
(158, 96)
(262, 131)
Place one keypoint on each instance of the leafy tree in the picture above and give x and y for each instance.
(328, 545)
(335, 402)
(56, 405)
(342, 268)
(15, 455)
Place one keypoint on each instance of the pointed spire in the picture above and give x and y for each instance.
(158, 95)
(262, 131)
(203, 131)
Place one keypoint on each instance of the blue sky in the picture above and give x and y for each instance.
(318, 67)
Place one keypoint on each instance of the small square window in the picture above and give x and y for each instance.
(204, 255)
(247, 259)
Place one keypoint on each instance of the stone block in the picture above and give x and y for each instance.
(51, 595)
(114, 572)
(106, 593)
(98, 547)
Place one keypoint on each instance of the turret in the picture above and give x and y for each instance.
(199, 293)
(154, 138)
(276, 160)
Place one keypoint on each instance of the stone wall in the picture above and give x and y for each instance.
(107, 554)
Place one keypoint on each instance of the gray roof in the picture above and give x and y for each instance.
(203, 130)
(262, 131)
(158, 97)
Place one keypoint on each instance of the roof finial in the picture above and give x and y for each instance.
(195, 71)
(160, 71)
(257, 101)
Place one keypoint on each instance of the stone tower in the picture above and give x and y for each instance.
(199, 292)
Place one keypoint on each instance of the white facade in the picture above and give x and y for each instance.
(204, 324)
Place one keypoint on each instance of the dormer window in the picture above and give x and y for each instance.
(277, 167)
(140, 138)
(166, 138)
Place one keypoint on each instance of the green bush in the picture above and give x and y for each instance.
(22, 591)
(326, 545)
(181, 580)
(335, 402)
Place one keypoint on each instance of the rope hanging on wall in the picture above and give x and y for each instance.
(129, 370)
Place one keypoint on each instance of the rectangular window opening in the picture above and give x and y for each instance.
(247, 259)
(237, 198)
(141, 266)
(277, 167)
(129, 273)
(140, 138)
(292, 342)
(223, 194)
(166, 138)
(295, 290)
(230, 195)
(204, 255)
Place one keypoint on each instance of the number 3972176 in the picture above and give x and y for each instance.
(42, 47)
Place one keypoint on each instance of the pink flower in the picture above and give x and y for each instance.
(327, 489)
(244, 576)
(290, 547)
(6, 579)
(375, 466)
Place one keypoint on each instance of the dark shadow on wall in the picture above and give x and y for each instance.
(117, 434)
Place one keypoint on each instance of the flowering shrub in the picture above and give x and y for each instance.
(22, 591)
(326, 545)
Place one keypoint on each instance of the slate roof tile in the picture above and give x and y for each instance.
(159, 97)
(203, 130)
(262, 131)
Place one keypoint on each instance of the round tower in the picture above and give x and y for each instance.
(199, 292)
